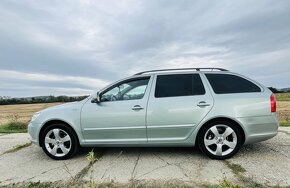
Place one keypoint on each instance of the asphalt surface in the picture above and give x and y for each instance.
(267, 163)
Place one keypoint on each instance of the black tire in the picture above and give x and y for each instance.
(204, 130)
(74, 143)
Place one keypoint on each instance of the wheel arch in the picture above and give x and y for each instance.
(55, 121)
(239, 126)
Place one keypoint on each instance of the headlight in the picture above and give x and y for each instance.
(35, 115)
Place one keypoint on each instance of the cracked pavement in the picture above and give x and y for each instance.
(9, 141)
(267, 163)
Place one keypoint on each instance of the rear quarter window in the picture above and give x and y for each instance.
(176, 85)
(227, 83)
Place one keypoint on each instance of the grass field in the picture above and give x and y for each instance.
(282, 96)
(21, 112)
(283, 108)
(14, 118)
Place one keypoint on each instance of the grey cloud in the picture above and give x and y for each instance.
(108, 40)
(23, 56)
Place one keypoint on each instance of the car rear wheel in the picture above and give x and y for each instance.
(220, 139)
(59, 141)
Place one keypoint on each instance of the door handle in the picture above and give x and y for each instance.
(137, 107)
(203, 103)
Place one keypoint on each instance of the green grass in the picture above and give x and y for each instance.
(13, 127)
(38, 185)
(18, 147)
(102, 185)
(284, 123)
(282, 96)
(246, 183)
(223, 184)
(226, 184)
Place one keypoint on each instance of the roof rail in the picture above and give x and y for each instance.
(197, 69)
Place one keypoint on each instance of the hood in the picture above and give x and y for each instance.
(65, 106)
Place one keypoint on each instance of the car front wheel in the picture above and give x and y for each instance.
(59, 141)
(220, 139)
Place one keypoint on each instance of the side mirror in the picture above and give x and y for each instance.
(96, 99)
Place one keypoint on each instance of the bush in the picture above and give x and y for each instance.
(14, 125)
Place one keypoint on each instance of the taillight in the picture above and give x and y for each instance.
(273, 103)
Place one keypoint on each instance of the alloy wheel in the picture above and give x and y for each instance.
(220, 140)
(58, 142)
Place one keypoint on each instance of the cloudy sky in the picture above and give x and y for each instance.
(76, 47)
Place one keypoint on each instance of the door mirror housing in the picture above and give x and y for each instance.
(96, 98)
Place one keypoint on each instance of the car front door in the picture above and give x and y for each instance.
(119, 117)
(177, 103)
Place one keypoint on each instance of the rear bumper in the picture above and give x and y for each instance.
(259, 128)
(259, 137)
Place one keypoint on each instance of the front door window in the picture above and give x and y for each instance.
(131, 90)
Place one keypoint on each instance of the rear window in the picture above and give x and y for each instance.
(227, 83)
(178, 85)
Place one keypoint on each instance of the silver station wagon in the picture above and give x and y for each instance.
(212, 108)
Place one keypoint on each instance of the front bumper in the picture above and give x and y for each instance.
(33, 130)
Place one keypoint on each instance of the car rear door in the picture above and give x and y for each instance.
(177, 103)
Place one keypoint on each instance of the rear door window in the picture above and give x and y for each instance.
(227, 83)
(176, 85)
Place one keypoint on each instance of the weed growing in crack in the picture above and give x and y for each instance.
(236, 168)
(92, 159)
(18, 147)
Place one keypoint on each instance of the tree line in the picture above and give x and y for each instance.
(40, 99)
